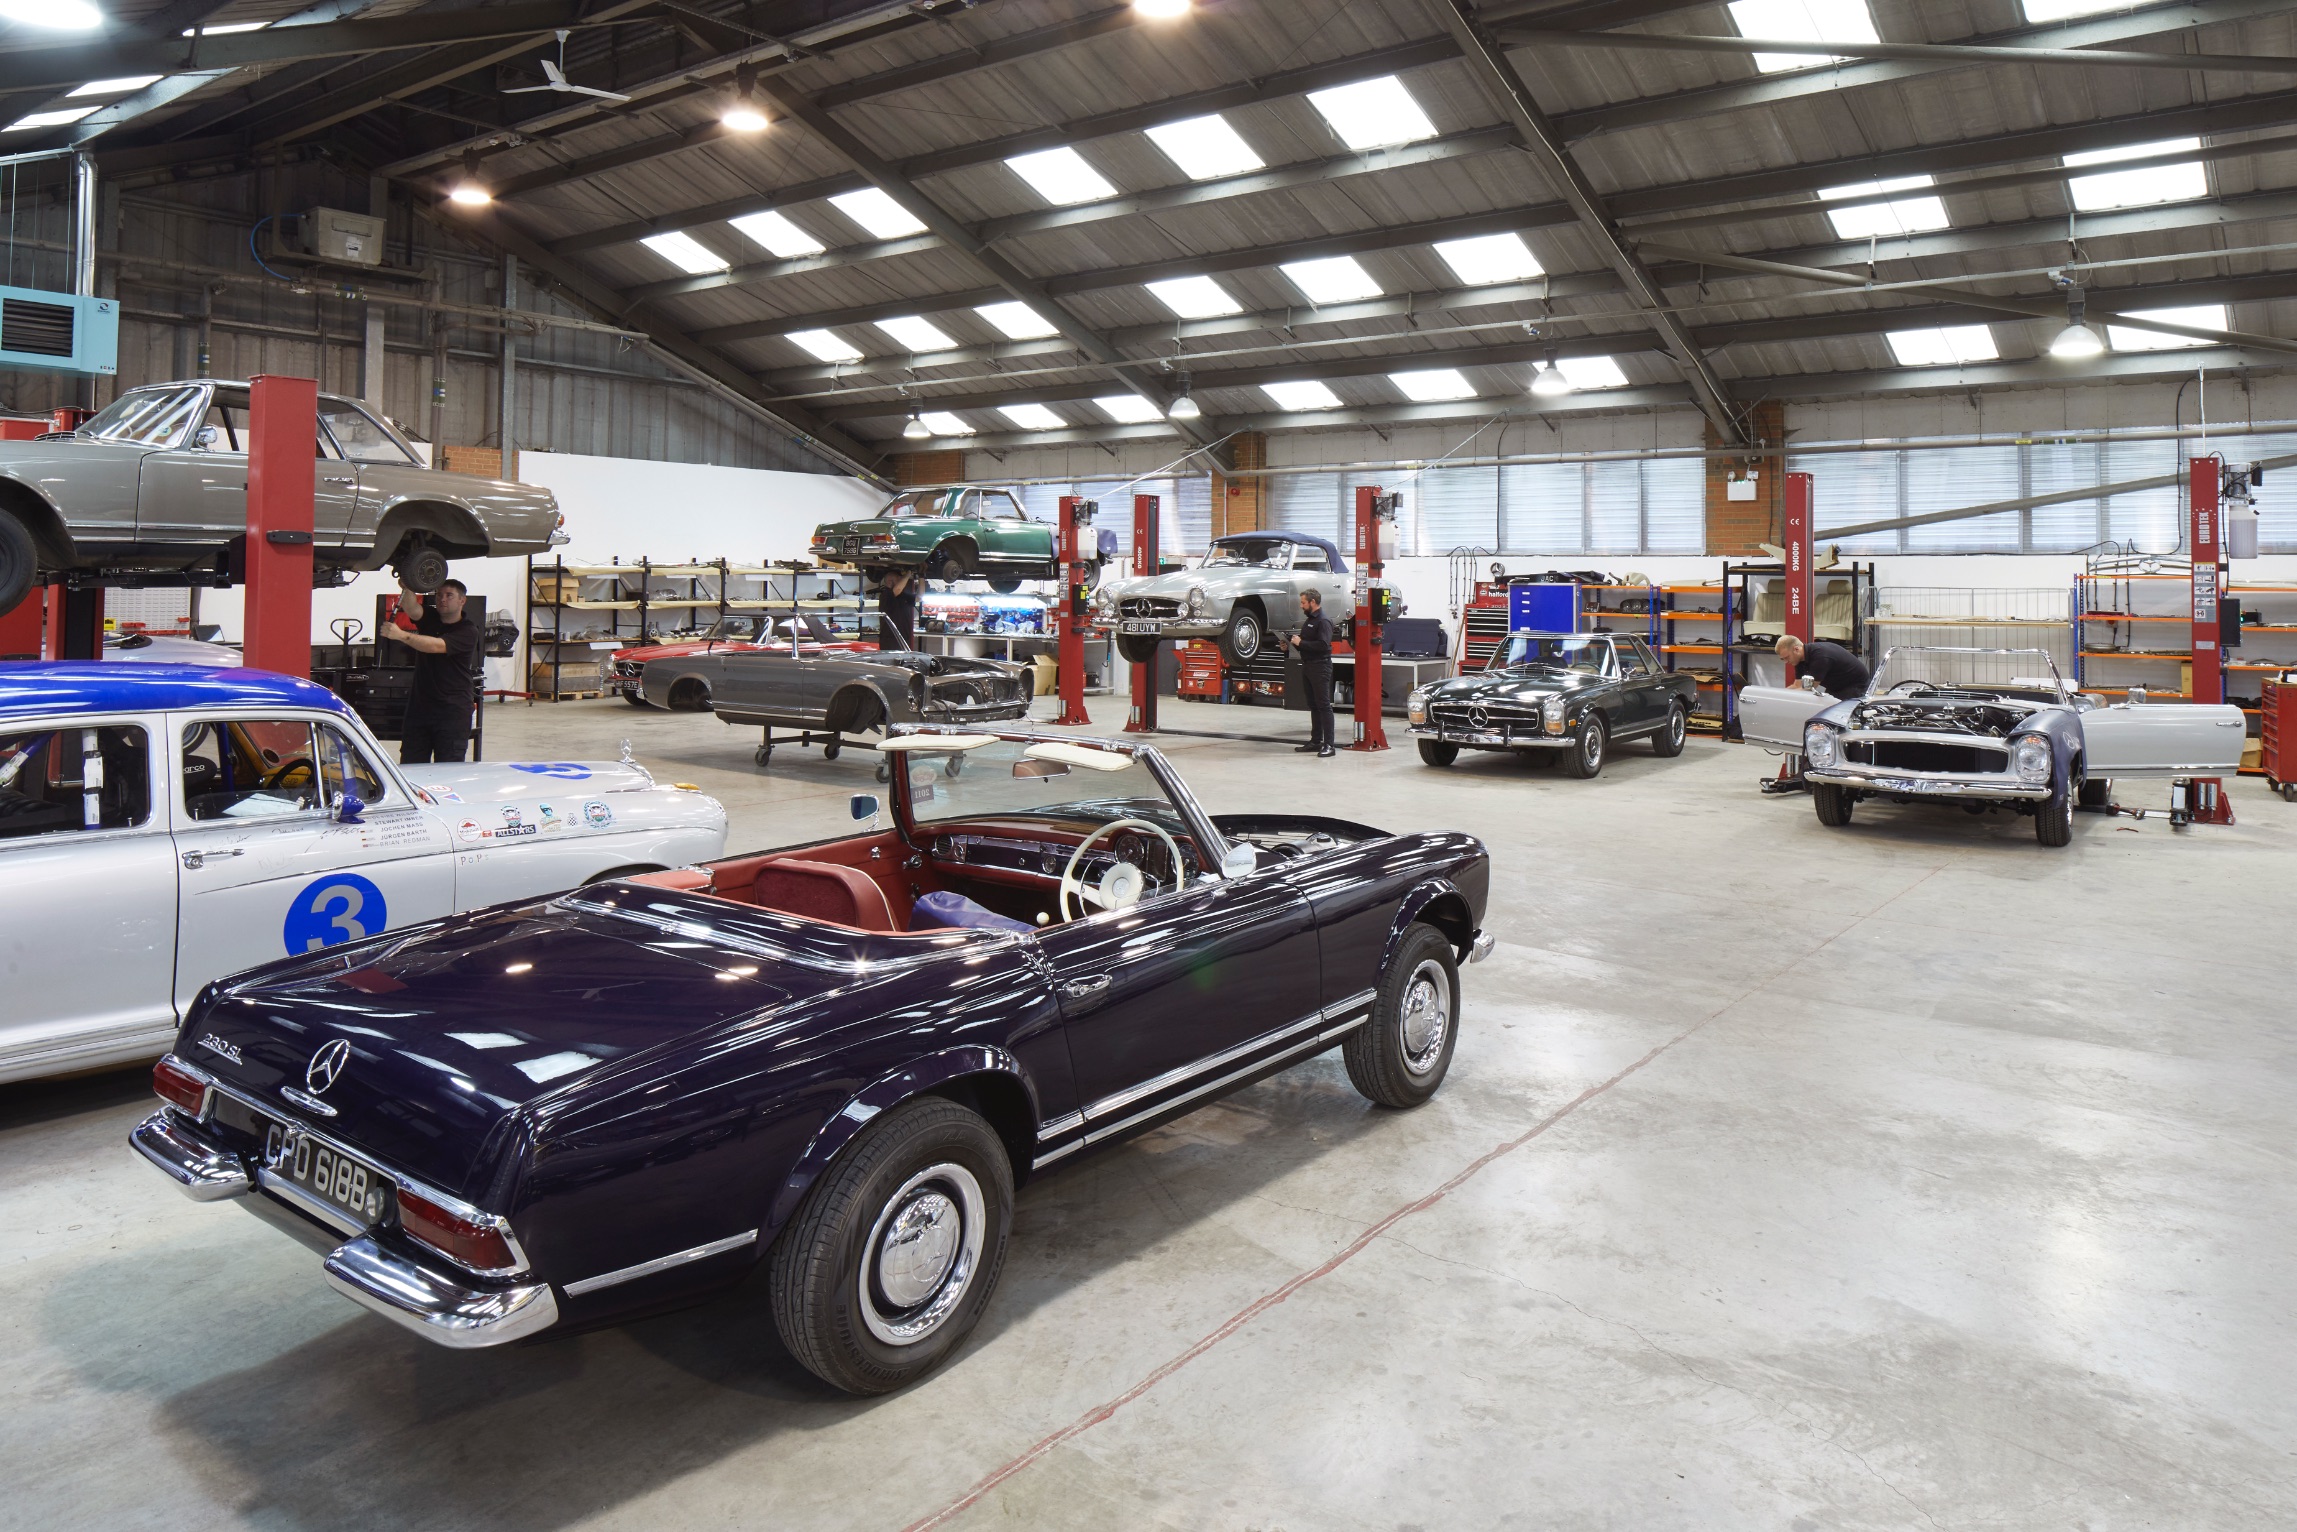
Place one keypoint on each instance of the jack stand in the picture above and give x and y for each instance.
(1789, 780)
(1375, 544)
(2199, 801)
(1076, 517)
(1148, 561)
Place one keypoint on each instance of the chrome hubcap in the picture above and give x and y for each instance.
(1591, 744)
(1675, 726)
(1427, 1016)
(923, 1253)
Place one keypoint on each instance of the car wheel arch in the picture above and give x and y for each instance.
(1438, 903)
(454, 526)
(39, 516)
(850, 701)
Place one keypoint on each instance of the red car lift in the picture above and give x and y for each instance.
(1148, 561)
(2202, 800)
(1375, 540)
(282, 424)
(1076, 517)
(1795, 614)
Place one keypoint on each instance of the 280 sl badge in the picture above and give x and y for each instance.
(220, 1048)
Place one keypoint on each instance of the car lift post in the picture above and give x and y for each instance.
(2202, 800)
(1148, 562)
(1375, 540)
(282, 424)
(1076, 519)
(1795, 606)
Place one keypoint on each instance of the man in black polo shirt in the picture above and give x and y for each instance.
(897, 610)
(1314, 641)
(1838, 672)
(446, 674)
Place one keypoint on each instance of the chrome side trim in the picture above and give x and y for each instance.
(200, 1170)
(438, 1310)
(1117, 1101)
(1300, 1050)
(661, 1263)
(1067, 1122)
(1342, 1007)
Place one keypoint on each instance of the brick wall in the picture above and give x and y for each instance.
(928, 468)
(1737, 528)
(486, 462)
(1241, 505)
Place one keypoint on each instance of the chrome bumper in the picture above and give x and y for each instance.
(441, 1311)
(1493, 738)
(1924, 784)
(1479, 947)
(200, 1170)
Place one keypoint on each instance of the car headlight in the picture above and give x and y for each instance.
(1105, 601)
(1822, 746)
(1551, 713)
(2032, 758)
(1198, 602)
(1416, 705)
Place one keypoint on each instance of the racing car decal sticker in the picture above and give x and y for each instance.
(597, 815)
(337, 908)
(570, 771)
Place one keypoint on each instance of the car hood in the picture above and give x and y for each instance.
(519, 781)
(462, 1033)
(1513, 686)
(1215, 582)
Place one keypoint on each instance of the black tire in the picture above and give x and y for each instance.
(420, 567)
(829, 751)
(1005, 585)
(1244, 637)
(1399, 1057)
(1668, 742)
(1833, 803)
(19, 563)
(1438, 752)
(852, 1279)
(1137, 648)
(691, 695)
(1585, 757)
(2097, 793)
(2054, 817)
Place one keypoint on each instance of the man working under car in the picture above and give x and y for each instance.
(1314, 641)
(446, 650)
(1832, 668)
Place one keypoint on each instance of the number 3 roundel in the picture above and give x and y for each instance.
(340, 907)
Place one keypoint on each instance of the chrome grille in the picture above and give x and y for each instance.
(1148, 606)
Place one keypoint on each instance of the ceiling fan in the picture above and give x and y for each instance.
(556, 75)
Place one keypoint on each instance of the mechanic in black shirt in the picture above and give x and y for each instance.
(446, 651)
(897, 609)
(1314, 641)
(1838, 672)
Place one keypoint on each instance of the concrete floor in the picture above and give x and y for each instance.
(1908, 1175)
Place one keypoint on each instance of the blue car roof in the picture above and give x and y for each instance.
(1339, 564)
(116, 686)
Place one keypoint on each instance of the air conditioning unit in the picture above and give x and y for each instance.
(58, 332)
(334, 235)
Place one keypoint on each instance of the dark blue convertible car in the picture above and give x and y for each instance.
(839, 1058)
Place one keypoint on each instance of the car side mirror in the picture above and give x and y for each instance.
(348, 808)
(206, 437)
(864, 806)
(1239, 861)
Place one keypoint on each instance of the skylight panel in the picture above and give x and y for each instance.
(916, 334)
(1031, 417)
(1433, 386)
(1129, 409)
(686, 253)
(1372, 113)
(877, 212)
(1338, 279)
(1017, 321)
(1062, 177)
(2137, 188)
(942, 423)
(1195, 297)
(1591, 372)
(118, 87)
(823, 345)
(1205, 148)
(1308, 394)
(2205, 316)
(1489, 258)
(225, 28)
(1944, 347)
(2038, 11)
(776, 235)
(1906, 215)
(1803, 21)
(55, 119)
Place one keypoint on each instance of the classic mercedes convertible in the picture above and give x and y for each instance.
(839, 1059)
(1574, 693)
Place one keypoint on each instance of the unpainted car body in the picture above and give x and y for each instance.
(840, 688)
(1248, 587)
(728, 635)
(153, 490)
(1574, 693)
(163, 825)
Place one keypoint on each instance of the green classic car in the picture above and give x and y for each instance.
(949, 534)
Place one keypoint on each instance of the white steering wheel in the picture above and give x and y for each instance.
(1122, 885)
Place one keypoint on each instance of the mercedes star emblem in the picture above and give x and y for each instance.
(327, 1066)
(1478, 717)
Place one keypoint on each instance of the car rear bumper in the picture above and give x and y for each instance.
(202, 1171)
(1926, 784)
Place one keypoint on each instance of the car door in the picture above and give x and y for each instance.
(379, 467)
(194, 491)
(87, 895)
(2162, 739)
(1644, 697)
(267, 870)
(1775, 715)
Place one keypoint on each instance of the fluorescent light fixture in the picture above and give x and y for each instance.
(877, 212)
(1017, 321)
(1161, 10)
(1031, 417)
(55, 15)
(1195, 297)
(2203, 316)
(916, 334)
(1803, 21)
(1337, 279)
(942, 423)
(2039, 11)
(2137, 188)
(1489, 258)
(470, 194)
(1907, 215)
(225, 28)
(1592, 372)
(743, 117)
(1944, 347)
(1307, 394)
(55, 119)
(119, 87)
(1433, 386)
(776, 235)
(1205, 148)
(686, 253)
(1129, 409)
(1061, 176)
(1371, 113)
(823, 345)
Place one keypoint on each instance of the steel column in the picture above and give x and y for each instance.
(282, 424)
(1375, 512)
(1069, 616)
(1148, 561)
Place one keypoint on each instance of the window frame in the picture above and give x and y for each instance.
(159, 812)
(181, 803)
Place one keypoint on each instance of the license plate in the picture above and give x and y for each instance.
(356, 1190)
(1140, 625)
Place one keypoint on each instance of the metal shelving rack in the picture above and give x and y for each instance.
(1740, 586)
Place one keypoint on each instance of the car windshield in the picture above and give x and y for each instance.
(1050, 782)
(1555, 651)
(146, 417)
(986, 504)
(1914, 671)
(1251, 553)
(737, 630)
